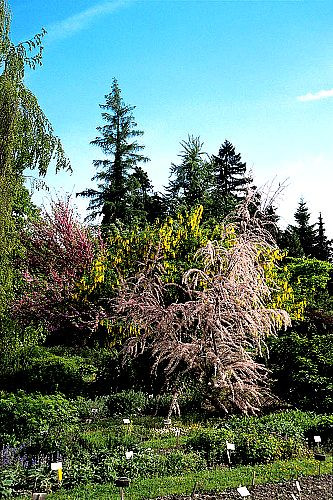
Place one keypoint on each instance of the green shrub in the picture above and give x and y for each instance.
(107, 439)
(190, 403)
(130, 402)
(321, 425)
(297, 424)
(92, 408)
(261, 447)
(260, 439)
(212, 443)
(102, 467)
(19, 478)
(294, 423)
(10, 477)
(47, 373)
(79, 469)
(37, 418)
(127, 403)
(150, 464)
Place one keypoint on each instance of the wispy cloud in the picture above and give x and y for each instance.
(83, 19)
(322, 94)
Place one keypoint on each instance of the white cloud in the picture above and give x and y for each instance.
(80, 21)
(322, 94)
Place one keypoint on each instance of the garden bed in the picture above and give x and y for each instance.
(312, 487)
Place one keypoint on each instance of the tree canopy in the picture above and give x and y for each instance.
(230, 183)
(113, 199)
(190, 180)
(26, 138)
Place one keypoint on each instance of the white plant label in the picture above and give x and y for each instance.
(56, 466)
(126, 421)
(128, 454)
(243, 491)
(317, 439)
(177, 432)
(298, 486)
(230, 446)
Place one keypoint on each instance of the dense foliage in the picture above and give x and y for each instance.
(26, 139)
(94, 450)
(189, 302)
(59, 253)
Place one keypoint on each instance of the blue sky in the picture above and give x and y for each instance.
(259, 73)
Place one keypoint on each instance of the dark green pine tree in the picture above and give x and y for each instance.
(306, 232)
(146, 205)
(111, 199)
(190, 179)
(290, 241)
(229, 180)
(323, 247)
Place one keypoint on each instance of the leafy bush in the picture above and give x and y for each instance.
(212, 443)
(262, 447)
(302, 363)
(292, 423)
(130, 402)
(150, 464)
(20, 478)
(8, 480)
(127, 403)
(259, 440)
(107, 439)
(92, 408)
(47, 373)
(103, 467)
(40, 419)
(79, 469)
(250, 447)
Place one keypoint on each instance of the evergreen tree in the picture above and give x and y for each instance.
(190, 179)
(145, 204)
(229, 180)
(117, 140)
(290, 241)
(306, 232)
(323, 247)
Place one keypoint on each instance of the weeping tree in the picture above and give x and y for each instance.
(27, 141)
(217, 328)
(26, 136)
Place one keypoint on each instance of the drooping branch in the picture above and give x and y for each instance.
(220, 325)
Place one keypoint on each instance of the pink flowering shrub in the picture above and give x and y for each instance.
(61, 256)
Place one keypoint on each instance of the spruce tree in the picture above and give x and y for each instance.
(229, 180)
(117, 141)
(145, 204)
(323, 247)
(190, 179)
(306, 232)
(290, 241)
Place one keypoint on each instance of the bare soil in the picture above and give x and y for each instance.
(312, 488)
